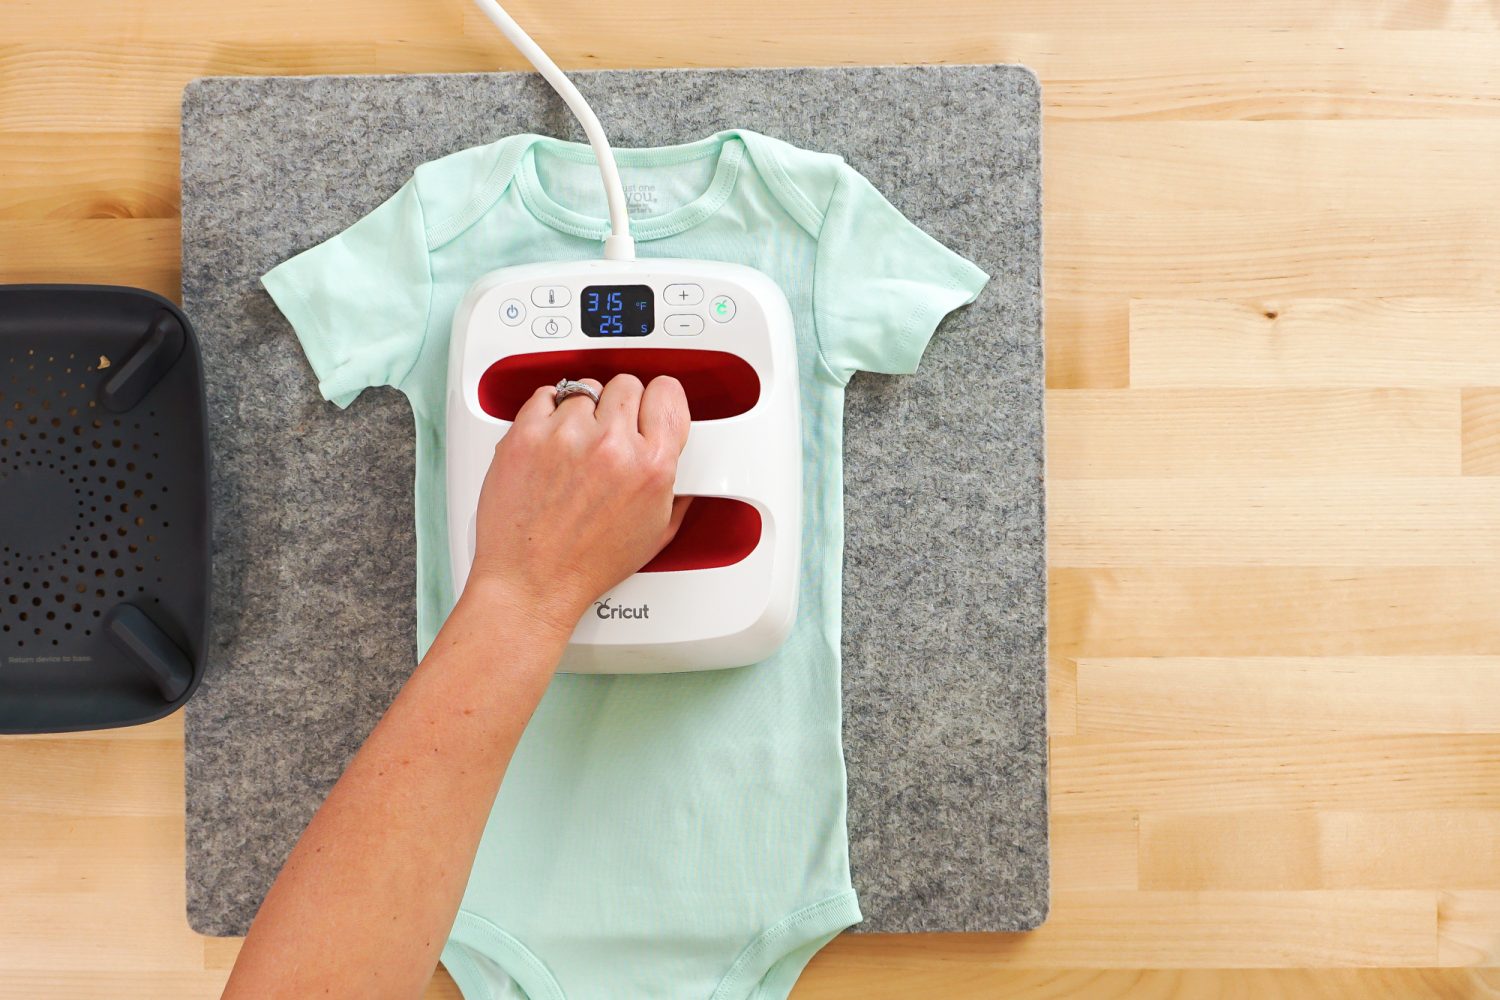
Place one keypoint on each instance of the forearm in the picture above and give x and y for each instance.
(365, 901)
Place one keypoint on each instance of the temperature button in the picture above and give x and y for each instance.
(549, 296)
(551, 326)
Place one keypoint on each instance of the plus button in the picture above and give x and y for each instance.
(685, 294)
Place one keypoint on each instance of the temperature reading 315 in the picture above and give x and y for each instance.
(618, 310)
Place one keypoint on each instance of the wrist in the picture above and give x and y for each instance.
(554, 604)
(515, 610)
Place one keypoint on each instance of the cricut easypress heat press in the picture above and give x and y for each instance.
(724, 592)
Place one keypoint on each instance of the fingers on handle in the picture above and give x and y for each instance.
(621, 401)
(664, 415)
(539, 405)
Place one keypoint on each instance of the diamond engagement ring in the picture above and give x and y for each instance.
(566, 388)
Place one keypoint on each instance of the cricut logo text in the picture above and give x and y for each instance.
(606, 611)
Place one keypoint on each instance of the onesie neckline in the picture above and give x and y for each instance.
(728, 146)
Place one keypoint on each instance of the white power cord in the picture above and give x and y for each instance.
(618, 245)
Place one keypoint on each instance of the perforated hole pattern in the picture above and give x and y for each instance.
(61, 586)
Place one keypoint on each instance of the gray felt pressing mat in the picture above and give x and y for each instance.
(314, 577)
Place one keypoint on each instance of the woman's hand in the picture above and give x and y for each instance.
(579, 497)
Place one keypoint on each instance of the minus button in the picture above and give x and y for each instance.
(684, 325)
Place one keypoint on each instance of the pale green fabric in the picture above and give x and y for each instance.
(665, 836)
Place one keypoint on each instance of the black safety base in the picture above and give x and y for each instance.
(104, 508)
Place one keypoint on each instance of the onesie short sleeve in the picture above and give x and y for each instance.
(882, 285)
(359, 301)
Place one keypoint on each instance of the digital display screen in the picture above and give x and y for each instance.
(618, 310)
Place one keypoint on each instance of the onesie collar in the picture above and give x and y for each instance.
(728, 146)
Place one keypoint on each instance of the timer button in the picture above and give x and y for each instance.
(682, 295)
(512, 312)
(549, 296)
(685, 325)
(722, 309)
(551, 326)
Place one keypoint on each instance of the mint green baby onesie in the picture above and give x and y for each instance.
(670, 835)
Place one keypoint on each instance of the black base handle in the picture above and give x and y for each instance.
(169, 667)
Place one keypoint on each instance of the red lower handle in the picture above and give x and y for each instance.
(716, 531)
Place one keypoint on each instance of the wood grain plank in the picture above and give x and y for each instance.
(1095, 851)
(126, 856)
(268, 21)
(1375, 252)
(1274, 611)
(221, 952)
(855, 972)
(442, 987)
(1308, 166)
(1209, 698)
(1088, 343)
(1419, 341)
(1326, 849)
(110, 175)
(1481, 432)
(1176, 930)
(167, 730)
(1261, 75)
(141, 252)
(131, 932)
(1469, 928)
(100, 84)
(1062, 696)
(890, 967)
(1279, 522)
(70, 984)
(1291, 772)
(81, 778)
(1191, 73)
(1170, 433)
(892, 21)
(219, 955)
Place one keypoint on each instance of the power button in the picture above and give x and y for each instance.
(722, 309)
(512, 312)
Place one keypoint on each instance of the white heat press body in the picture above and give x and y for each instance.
(724, 593)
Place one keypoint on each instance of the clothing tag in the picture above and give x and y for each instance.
(640, 198)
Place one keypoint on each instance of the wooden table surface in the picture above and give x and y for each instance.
(1273, 328)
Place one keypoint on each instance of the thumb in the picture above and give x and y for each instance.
(679, 511)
